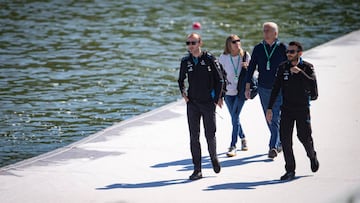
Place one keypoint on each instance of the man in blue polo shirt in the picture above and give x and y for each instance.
(266, 57)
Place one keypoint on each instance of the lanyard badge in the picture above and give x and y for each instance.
(236, 68)
(269, 56)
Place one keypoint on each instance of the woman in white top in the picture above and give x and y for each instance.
(235, 61)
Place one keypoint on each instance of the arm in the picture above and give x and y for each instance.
(309, 79)
(219, 82)
(310, 82)
(250, 72)
(274, 93)
(182, 77)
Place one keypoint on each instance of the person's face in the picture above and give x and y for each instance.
(292, 53)
(235, 44)
(269, 33)
(193, 43)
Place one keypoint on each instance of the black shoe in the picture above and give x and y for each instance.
(196, 175)
(288, 176)
(216, 165)
(272, 153)
(314, 164)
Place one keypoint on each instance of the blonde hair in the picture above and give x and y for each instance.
(228, 41)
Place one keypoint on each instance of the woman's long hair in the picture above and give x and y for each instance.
(228, 42)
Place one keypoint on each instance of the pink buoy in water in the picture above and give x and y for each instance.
(196, 26)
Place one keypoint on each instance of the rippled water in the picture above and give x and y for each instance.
(69, 69)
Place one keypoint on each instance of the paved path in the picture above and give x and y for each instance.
(147, 158)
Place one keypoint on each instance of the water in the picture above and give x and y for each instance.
(69, 69)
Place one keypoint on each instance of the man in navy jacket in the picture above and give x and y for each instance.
(266, 57)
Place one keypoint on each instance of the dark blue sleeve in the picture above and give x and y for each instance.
(252, 65)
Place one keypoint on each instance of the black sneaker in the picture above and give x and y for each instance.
(196, 175)
(288, 176)
(216, 165)
(314, 164)
(272, 153)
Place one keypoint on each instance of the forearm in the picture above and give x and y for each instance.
(274, 93)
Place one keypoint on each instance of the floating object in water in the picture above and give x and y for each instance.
(196, 26)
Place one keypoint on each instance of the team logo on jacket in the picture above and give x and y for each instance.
(189, 66)
(203, 62)
(286, 75)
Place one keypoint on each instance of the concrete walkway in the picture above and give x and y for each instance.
(147, 158)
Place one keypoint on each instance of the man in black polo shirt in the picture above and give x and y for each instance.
(205, 86)
(297, 82)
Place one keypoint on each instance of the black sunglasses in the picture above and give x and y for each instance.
(235, 41)
(192, 43)
(291, 51)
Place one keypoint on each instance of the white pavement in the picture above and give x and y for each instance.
(147, 158)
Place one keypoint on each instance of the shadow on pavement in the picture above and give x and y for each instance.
(145, 185)
(248, 185)
(206, 162)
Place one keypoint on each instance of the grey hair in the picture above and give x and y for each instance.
(272, 25)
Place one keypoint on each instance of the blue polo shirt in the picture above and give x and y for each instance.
(259, 61)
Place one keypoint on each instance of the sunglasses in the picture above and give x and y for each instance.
(291, 51)
(235, 41)
(192, 43)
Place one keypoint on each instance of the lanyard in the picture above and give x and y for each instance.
(269, 56)
(237, 67)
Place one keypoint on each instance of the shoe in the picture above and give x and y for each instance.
(231, 152)
(243, 145)
(288, 176)
(272, 153)
(196, 175)
(314, 164)
(216, 165)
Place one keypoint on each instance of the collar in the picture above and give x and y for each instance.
(272, 44)
(300, 62)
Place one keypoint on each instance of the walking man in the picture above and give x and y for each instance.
(296, 79)
(266, 57)
(205, 86)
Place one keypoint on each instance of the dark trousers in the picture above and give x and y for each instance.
(195, 111)
(303, 126)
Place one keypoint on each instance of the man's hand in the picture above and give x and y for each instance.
(185, 97)
(295, 69)
(220, 102)
(269, 115)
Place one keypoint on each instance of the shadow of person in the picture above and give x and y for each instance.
(162, 183)
(186, 163)
(248, 185)
(206, 162)
(229, 162)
